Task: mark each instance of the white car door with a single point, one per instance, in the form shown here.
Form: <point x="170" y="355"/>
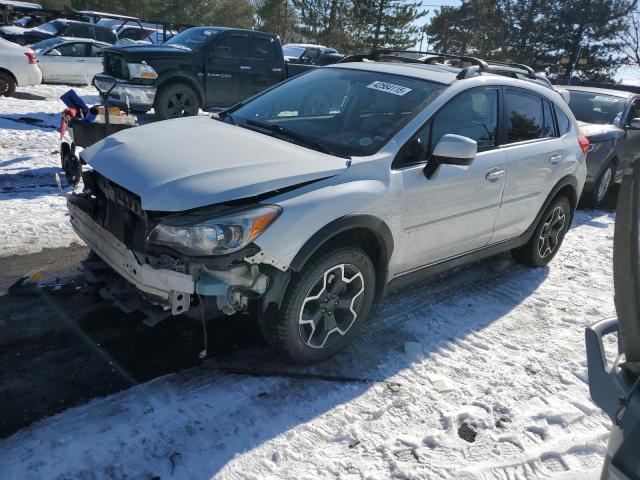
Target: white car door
<point x="65" y="63"/>
<point x="535" y="160"/>
<point x="454" y="211"/>
<point x="93" y="64"/>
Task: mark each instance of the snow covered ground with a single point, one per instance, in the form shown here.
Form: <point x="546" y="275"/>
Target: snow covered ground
<point x="33" y="209"/>
<point x="493" y="387"/>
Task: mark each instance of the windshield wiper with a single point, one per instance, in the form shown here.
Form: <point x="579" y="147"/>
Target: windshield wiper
<point x="225" y="114"/>
<point x="284" y="131"/>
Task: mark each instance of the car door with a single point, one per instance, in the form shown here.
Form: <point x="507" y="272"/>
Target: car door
<point x="454" y="211"/>
<point x="266" y="65"/>
<point x="535" y="159"/>
<point x="92" y="61"/>
<point x="228" y="69"/>
<point x="629" y="145"/>
<point x="64" y="63"/>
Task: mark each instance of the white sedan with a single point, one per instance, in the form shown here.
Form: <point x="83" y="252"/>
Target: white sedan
<point x="69" y="60"/>
<point x="17" y="67"/>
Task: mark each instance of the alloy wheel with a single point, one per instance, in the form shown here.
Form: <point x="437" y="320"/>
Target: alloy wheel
<point x="603" y="186"/>
<point x="179" y="105"/>
<point x="550" y="235"/>
<point x="331" y="306"/>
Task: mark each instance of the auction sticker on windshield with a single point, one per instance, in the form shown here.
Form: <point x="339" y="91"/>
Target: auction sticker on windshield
<point x="389" y="88"/>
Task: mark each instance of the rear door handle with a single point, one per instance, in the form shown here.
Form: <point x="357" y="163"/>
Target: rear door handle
<point x="555" y="158"/>
<point x="494" y="174"/>
<point x="245" y="67"/>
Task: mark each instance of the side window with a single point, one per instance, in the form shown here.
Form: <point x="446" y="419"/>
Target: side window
<point x="105" y="35"/>
<point x="634" y="111"/>
<point x="472" y="114"/>
<point x="233" y="46"/>
<point x="549" y="122"/>
<point x="262" y="48"/>
<point x="79" y="30"/>
<point x="73" y="49"/>
<point x="564" y="124"/>
<point x="96" y="50"/>
<point x="525" y="118"/>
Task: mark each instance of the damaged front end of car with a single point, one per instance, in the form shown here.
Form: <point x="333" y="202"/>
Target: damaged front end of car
<point x="200" y="263"/>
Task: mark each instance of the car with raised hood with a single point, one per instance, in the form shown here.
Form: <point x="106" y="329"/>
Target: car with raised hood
<point x="202" y="67"/>
<point x="306" y="203"/>
<point x="18" y="67"/>
<point x="610" y="119"/>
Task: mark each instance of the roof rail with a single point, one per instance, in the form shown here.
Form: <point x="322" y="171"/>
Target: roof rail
<point x="378" y="53"/>
<point x="499" y="68"/>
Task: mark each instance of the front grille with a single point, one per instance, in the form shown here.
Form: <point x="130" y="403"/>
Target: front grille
<point x="115" y="64"/>
<point x="120" y="196"/>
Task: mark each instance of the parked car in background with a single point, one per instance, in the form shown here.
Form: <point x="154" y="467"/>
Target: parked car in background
<point x="305" y="203"/>
<point x="69" y="60"/>
<point x="610" y="119"/>
<point x="208" y="67"/>
<point x="18" y="67"/>
<point x="310" y="54"/>
<point x="615" y="386"/>
<point x="58" y="28"/>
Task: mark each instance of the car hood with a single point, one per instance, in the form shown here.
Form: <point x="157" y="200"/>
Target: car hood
<point x="594" y="130"/>
<point x="146" y="51"/>
<point x="181" y="164"/>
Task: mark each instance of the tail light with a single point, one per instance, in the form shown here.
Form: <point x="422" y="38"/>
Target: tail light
<point x="584" y="143"/>
<point x="32" y="58"/>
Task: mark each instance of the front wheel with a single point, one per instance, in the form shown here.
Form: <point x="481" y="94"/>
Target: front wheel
<point x="176" y="100"/>
<point x="325" y="306"/>
<point x="596" y="198"/>
<point x="548" y="235"/>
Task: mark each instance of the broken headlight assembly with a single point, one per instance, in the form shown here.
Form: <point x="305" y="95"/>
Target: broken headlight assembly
<point x="216" y="236"/>
<point x="142" y="70"/>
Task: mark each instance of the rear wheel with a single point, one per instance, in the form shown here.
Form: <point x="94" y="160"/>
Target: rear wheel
<point x="176" y="100"/>
<point x="596" y="198"/>
<point x="548" y="235"/>
<point x="325" y="306"/>
<point x="7" y="85"/>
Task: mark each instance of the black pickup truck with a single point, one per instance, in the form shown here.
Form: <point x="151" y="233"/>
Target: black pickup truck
<point x="202" y="67"/>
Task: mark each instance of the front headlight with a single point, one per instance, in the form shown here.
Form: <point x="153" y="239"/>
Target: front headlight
<point x="142" y="70"/>
<point x="216" y="236"/>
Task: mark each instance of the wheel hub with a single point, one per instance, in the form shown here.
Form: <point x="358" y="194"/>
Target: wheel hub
<point x="551" y="230"/>
<point x="331" y="306"/>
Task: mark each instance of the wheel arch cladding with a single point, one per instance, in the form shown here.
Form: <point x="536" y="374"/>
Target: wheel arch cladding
<point x="568" y="187"/>
<point x="365" y="231"/>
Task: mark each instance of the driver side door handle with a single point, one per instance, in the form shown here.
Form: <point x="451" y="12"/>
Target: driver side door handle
<point x="555" y="158"/>
<point x="494" y="174"/>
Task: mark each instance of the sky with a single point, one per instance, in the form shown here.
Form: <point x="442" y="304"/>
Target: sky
<point x="628" y="75"/>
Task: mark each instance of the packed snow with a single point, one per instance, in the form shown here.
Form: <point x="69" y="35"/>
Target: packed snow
<point x="478" y="374"/>
<point x="33" y="207"/>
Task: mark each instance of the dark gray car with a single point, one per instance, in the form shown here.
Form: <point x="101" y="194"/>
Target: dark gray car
<point x="610" y="119"/>
<point x="616" y="388"/>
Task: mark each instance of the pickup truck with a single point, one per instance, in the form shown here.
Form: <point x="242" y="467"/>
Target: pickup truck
<point x="202" y="67"/>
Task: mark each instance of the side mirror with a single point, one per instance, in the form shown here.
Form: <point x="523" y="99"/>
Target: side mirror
<point x="54" y="52"/>
<point x="634" y="124"/>
<point x="451" y="150"/>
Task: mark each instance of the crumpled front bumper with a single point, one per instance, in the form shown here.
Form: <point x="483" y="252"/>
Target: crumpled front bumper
<point x="141" y="97"/>
<point x="162" y="283"/>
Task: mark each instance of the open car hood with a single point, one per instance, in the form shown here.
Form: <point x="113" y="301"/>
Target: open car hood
<point x="181" y="164"/>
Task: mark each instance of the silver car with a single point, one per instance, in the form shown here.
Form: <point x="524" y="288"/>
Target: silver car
<point x="309" y="201"/>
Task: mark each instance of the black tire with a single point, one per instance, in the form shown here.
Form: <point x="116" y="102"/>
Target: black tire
<point x="602" y="187"/>
<point x="176" y="100"/>
<point x="314" y="341"/>
<point x="7" y="85"/>
<point x="626" y="263"/>
<point x="548" y="235"/>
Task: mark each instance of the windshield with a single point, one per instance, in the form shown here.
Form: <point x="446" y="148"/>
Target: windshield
<point x="193" y="39"/>
<point x="292" y="51"/>
<point x="52" y="27"/>
<point x="348" y="112"/>
<point x="44" y="44"/>
<point x="596" y="108"/>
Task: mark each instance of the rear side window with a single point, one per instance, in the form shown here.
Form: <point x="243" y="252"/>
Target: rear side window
<point x="564" y="124"/>
<point x="472" y="114"/>
<point x="81" y="31"/>
<point x="549" y="120"/>
<point x="233" y="46"/>
<point x="262" y="48"/>
<point x="106" y="35"/>
<point x="525" y="118"/>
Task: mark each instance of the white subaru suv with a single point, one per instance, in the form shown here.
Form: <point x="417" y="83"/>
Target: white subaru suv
<point x="304" y="204"/>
